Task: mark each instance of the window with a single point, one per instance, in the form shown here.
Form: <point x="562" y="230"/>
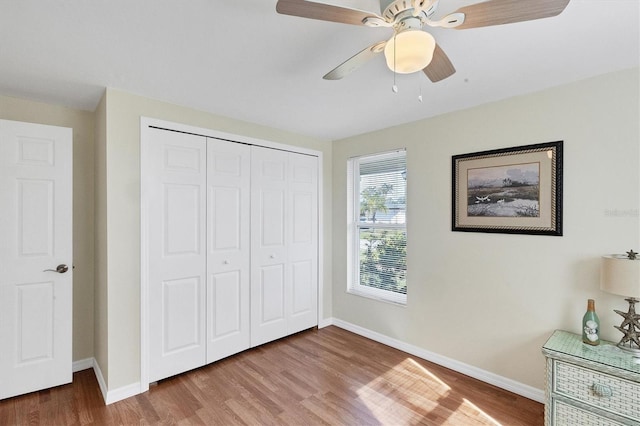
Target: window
<point x="377" y="241"/>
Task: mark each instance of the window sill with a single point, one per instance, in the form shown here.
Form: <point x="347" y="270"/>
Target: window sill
<point x="378" y="298"/>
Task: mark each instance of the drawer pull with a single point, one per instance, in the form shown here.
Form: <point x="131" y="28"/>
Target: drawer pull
<point x="602" y="390"/>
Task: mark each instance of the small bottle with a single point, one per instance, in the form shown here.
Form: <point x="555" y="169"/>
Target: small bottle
<point x="591" y="325"/>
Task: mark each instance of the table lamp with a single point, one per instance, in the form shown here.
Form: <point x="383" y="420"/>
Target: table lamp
<point x="620" y="274"/>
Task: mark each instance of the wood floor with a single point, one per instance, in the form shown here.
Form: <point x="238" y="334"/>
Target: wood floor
<point x="317" y="377"/>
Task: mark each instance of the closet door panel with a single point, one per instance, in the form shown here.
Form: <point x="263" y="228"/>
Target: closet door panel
<point x="228" y="333"/>
<point x="176" y="179"/>
<point x="272" y="289"/>
<point x="303" y="242"/>
<point x="271" y="210"/>
<point x="181" y="219"/>
<point x="180" y="314"/>
<point x="302" y="298"/>
<point x="269" y="268"/>
<point x="228" y="253"/>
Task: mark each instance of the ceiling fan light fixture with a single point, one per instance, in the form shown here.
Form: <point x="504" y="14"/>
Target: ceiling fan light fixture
<point x="413" y="51"/>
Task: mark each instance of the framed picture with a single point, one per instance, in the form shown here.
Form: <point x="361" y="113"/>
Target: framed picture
<point x="512" y="190"/>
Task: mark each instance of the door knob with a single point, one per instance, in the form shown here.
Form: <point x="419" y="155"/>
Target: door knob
<point x="61" y="269"/>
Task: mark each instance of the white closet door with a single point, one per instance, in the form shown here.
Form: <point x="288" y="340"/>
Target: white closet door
<point x="302" y="242"/>
<point x="269" y="270"/>
<point x="284" y="244"/>
<point x="35" y="235"/>
<point x="228" y="253"/>
<point x="176" y="181"/>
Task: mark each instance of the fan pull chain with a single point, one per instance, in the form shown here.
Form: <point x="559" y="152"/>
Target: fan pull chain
<point x="420" y="91"/>
<point x="394" y="88"/>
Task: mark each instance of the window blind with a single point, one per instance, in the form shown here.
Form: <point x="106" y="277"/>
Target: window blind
<point x="380" y="227"/>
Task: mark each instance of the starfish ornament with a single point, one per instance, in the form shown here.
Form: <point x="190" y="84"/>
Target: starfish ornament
<point x="630" y="335"/>
<point x="630" y="325"/>
<point x="632" y="254"/>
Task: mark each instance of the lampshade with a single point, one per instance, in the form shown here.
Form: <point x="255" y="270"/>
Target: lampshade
<point x="620" y="275"/>
<point x="412" y="52"/>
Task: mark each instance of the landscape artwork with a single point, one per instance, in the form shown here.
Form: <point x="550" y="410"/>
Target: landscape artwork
<point x="515" y="190"/>
<point x="504" y="191"/>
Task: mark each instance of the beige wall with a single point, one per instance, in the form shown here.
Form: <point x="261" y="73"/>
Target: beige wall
<point x="491" y="300"/>
<point x="82" y="123"/>
<point x="122" y="243"/>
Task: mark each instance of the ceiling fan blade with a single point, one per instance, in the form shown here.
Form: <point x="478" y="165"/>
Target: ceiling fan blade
<point x="325" y="12"/>
<point x="355" y="61"/>
<point x="440" y="66"/>
<point x="498" y="12"/>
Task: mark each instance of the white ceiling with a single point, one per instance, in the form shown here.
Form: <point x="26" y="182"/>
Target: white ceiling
<point x="240" y="59"/>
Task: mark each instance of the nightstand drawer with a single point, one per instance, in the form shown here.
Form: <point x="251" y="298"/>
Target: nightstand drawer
<point x="610" y="393"/>
<point x="568" y="415"/>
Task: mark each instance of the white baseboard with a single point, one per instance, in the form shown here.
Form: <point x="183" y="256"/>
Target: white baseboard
<point x="466" y="369"/>
<point x="122" y="393"/>
<point x="115" y="395"/>
<point x="82" y="364"/>
<point x="325" y="322"/>
<point x="100" y="378"/>
<point x="101" y="383"/>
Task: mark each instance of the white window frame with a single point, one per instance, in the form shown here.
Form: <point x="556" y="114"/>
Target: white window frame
<point x="353" y="233"/>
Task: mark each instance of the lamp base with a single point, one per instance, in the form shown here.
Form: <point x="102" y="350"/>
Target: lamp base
<point x="630" y="327"/>
<point x="634" y="352"/>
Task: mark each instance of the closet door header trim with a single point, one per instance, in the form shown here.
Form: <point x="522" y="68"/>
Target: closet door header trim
<point x="146" y="122"/>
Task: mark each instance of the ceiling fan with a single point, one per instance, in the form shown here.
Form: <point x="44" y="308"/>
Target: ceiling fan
<point x="412" y="49"/>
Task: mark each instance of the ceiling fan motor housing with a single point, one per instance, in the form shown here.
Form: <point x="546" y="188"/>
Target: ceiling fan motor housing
<point x="392" y="9"/>
<point x="406" y="23"/>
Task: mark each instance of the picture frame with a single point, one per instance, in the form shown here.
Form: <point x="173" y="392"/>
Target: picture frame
<point x="515" y="190"/>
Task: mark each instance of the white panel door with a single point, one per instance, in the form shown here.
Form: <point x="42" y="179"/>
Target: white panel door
<point x="228" y="248"/>
<point x="176" y="184"/>
<point x="302" y="242"/>
<point x="284" y="244"/>
<point x="35" y="235"/>
<point x="269" y="280"/>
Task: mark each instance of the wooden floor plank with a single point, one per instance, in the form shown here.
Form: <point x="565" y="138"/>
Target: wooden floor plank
<point x="317" y="377"/>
